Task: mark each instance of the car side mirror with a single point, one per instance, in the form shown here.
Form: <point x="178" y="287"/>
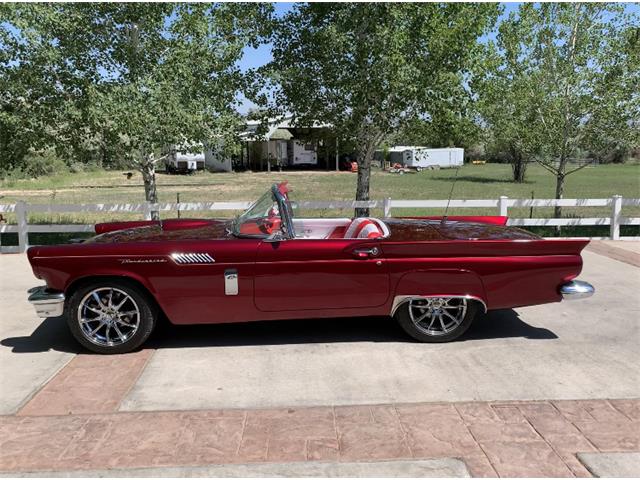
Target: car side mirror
<point x="275" y="237"/>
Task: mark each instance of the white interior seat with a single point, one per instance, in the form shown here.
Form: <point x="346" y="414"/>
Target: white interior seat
<point x="318" y="227"/>
<point x="367" y="227"/>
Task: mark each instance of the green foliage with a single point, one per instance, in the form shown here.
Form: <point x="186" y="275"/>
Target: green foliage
<point x="41" y="164"/>
<point x="370" y="69"/>
<point x="114" y="84"/>
<point x="457" y="127"/>
<point x="36" y="164"/>
<point x="562" y="81"/>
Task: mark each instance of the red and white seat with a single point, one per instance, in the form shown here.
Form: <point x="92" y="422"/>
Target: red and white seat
<point x="366" y="227"/>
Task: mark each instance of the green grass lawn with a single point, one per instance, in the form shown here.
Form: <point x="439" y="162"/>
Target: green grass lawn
<point x="473" y="182"/>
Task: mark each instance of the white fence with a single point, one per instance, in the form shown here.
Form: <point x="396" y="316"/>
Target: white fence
<point x="502" y="205"/>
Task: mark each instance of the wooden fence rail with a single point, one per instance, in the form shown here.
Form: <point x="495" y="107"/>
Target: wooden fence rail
<point x="501" y="204"/>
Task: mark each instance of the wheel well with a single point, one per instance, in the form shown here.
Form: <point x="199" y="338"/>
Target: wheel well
<point x="84" y="281"/>
<point x="402" y="299"/>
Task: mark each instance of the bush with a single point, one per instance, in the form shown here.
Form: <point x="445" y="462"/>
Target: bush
<point x="40" y="164"/>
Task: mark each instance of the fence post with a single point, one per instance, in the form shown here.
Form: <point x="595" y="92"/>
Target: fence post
<point x="616" y="209"/>
<point x="387" y="207"/>
<point x="23" y="234"/>
<point x="147" y="210"/>
<point x="502" y="206"/>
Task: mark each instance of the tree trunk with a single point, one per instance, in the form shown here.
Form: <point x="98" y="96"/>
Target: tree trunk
<point x="102" y="157"/>
<point x="560" y="177"/>
<point x="518" y="165"/>
<point x="364" y="178"/>
<point x="148" y="170"/>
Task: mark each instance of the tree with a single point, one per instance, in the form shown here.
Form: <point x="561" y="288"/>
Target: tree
<point x="565" y="80"/>
<point x="508" y="113"/>
<point x="448" y="128"/>
<point x="507" y="106"/>
<point x="45" y="69"/>
<point x="370" y="68"/>
<point x="175" y="78"/>
<point x="146" y="76"/>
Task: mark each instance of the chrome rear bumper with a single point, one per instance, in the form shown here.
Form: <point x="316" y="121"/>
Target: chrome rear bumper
<point x="46" y="302"/>
<point x="576" y="289"/>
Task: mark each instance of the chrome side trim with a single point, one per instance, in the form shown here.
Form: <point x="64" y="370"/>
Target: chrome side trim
<point x="576" y="290"/>
<point x="400" y="299"/>
<point x="231" y="282"/>
<point x="190" y="258"/>
<point x="46" y="302"/>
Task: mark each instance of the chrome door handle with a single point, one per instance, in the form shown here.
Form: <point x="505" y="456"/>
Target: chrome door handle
<point x="366" y="252"/>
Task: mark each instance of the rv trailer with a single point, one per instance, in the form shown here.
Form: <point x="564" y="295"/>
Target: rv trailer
<point x="422" y="158"/>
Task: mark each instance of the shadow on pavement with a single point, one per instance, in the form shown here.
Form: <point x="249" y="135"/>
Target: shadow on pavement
<point x="53" y="334"/>
<point x="505" y="324"/>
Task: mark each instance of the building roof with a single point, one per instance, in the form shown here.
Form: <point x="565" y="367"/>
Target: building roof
<point x="276" y="126"/>
<point x="281" y="134"/>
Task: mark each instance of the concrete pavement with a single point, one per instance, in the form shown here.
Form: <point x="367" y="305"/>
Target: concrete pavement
<point x="551" y="353"/>
<point x="31" y="351"/>
<point x="567" y="350"/>
<point x="436" y="468"/>
<point x="582" y="349"/>
<point x="623" y="251"/>
<point x="612" y="465"/>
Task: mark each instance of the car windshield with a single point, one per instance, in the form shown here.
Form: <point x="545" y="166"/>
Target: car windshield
<point x="261" y="219"/>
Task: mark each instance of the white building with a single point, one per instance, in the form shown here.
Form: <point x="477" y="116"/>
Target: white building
<point x="281" y="144"/>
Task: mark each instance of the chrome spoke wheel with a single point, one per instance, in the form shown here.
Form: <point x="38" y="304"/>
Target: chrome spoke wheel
<point x="108" y="316"/>
<point x="437" y="315"/>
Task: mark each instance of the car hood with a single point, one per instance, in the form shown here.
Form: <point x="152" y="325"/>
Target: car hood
<point x="405" y="229"/>
<point x="169" y="230"/>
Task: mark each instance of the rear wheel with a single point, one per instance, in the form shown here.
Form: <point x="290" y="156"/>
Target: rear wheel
<point x="110" y="316"/>
<point x="436" y="319"/>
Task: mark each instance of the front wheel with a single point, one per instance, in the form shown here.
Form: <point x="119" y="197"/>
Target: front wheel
<point x="110" y="316"/>
<point x="436" y="319"/>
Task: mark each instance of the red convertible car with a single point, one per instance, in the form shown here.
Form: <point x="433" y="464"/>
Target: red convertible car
<point x="432" y="274"/>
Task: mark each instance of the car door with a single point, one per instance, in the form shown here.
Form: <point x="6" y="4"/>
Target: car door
<point x="310" y="274"/>
<point x="208" y="281"/>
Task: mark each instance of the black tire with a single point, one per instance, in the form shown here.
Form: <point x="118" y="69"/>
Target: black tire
<point x="146" y="310"/>
<point x="403" y="317"/>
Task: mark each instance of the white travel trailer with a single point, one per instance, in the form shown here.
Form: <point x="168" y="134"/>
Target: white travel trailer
<point x="422" y="158"/>
<point x="179" y="160"/>
<point x="300" y="153"/>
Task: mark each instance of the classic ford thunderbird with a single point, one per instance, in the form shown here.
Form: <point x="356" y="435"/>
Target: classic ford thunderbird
<point x="432" y="274"/>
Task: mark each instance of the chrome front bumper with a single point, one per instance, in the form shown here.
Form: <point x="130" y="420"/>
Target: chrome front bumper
<point x="46" y="302"/>
<point x="576" y="289"/>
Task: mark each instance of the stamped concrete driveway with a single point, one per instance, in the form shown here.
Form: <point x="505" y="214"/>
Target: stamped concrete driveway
<point x="585" y="349"/>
